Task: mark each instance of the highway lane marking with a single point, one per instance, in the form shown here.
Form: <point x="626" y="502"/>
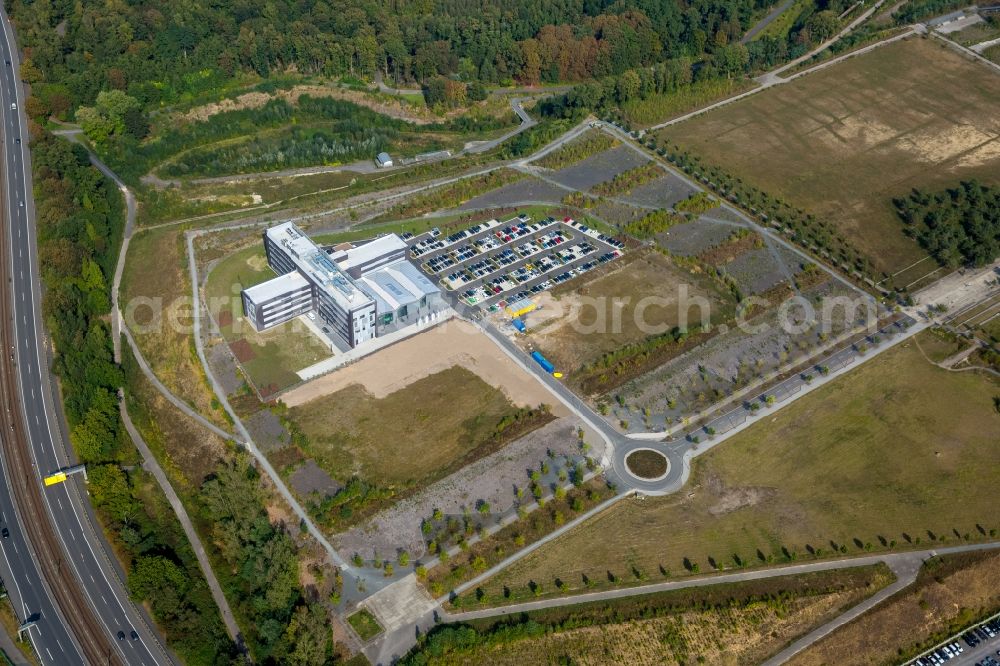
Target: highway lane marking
<point x="50" y="653"/>
<point x="21" y="179"/>
<point x="59" y="502"/>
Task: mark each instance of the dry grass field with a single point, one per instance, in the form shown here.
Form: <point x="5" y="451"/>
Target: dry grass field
<point x="949" y="594"/>
<point x="741" y="623"/>
<point x="600" y="315"/>
<point x="155" y="273"/>
<point x="415" y="434"/>
<point x="841" y="143"/>
<point x="896" y="453"/>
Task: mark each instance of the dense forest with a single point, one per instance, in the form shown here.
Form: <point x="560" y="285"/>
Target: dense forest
<point x="80" y="221"/>
<point x="160" y="52"/>
<point x="958" y="226"/>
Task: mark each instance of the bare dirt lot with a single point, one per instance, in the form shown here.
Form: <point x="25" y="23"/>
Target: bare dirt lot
<point x="384" y="104"/>
<point x="606" y="313"/>
<point x="664" y="191"/>
<point x="841" y="143"/>
<point x="453" y="343"/>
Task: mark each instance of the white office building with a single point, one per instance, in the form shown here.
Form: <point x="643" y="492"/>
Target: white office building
<point x="355" y="290"/>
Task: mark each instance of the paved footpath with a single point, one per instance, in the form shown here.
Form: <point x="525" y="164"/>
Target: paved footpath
<point x="152" y="466"/>
<point x="150" y="463"/>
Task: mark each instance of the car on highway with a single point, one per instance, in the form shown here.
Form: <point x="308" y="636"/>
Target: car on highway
<point x="135" y="635"/>
<point x="121" y="635"/>
<point x="13" y="105"/>
<point x="5" y="533"/>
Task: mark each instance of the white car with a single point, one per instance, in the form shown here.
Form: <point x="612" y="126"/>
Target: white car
<point x="13" y="105"/>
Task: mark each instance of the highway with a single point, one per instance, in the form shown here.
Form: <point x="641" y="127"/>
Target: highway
<point x="55" y="561"/>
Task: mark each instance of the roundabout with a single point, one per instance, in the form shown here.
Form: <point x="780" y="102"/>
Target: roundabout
<point x="648" y="467"/>
<point x="647" y="464"/>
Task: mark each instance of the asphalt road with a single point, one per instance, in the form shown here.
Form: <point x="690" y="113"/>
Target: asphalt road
<point x="85" y="549"/>
<point x="766" y="21"/>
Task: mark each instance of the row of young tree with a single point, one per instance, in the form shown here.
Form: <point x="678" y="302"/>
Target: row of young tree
<point x="160" y="53"/>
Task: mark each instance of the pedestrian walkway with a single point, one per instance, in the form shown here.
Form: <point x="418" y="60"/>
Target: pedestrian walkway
<point x="150" y="464"/>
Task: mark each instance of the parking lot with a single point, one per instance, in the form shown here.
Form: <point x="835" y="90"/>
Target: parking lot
<point x="511" y="260"/>
<point x="977" y="646"/>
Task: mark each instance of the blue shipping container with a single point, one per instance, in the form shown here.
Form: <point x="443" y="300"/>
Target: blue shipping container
<point x="542" y="361"/>
<point x="518" y="324"/>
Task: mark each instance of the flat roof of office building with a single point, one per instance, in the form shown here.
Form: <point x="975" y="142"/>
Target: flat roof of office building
<point x="277" y="286"/>
<point x="317" y="265"/>
<point x="371" y="251"/>
<point x="397" y="284"/>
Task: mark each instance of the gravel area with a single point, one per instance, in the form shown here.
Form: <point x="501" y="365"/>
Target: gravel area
<point x="494" y="479"/>
<point x="663" y="192"/>
<point x="731" y="360"/>
<point x="527" y="190"/>
<point x="691" y="238"/>
<point x="757" y="271"/>
<point x="266" y="429"/>
<point x="310" y="478"/>
<point x="598" y="168"/>
<point x="224" y="368"/>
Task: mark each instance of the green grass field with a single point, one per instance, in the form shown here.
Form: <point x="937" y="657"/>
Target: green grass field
<point x="586" y="145"/>
<point x="992" y="54"/>
<point x="897" y="453"/>
<point x="664" y="106"/>
<point x="155" y="291"/>
<point x="275" y="354"/>
<point x="841" y="143"/>
<point x="365" y="624"/>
